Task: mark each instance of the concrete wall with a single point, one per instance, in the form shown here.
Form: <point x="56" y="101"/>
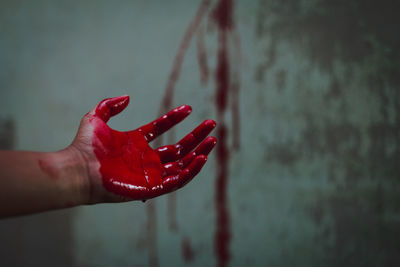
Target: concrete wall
<point x="316" y="179"/>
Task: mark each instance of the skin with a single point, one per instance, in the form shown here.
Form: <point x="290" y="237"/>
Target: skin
<point x="103" y="165"/>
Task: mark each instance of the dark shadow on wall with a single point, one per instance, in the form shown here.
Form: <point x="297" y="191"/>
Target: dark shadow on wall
<point x="362" y="157"/>
<point x="329" y="30"/>
<point x="37" y="240"/>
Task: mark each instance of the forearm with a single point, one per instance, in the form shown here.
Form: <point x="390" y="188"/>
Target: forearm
<point x="36" y="181"/>
<point x="103" y="164"/>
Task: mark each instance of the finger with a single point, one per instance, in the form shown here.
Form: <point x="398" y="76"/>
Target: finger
<point x="174" y="182"/>
<point x="190" y="141"/>
<point x="160" y="125"/>
<point x="171" y="153"/>
<point x="111" y="106"/>
<point x="203" y="149"/>
<point x="168" y="153"/>
<point x="206" y="146"/>
<point x="171" y="168"/>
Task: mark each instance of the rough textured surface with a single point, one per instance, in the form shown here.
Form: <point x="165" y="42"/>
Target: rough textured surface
<point x="347" y="101"/>
<point x="316" y="180"/>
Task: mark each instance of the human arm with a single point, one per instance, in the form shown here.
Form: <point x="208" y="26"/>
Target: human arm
<point x="103" y="165"/>
<point x="38" y="181"/>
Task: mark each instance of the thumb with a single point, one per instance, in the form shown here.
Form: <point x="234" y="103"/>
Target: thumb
<point x="110" y="107"/>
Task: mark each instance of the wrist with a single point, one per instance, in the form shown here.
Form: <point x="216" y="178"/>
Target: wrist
<point x="72" y="176"/>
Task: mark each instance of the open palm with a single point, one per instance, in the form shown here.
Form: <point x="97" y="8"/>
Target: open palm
<point x="126" y="166"/>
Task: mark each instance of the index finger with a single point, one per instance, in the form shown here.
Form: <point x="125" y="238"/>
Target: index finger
<point x="157" y="127"/>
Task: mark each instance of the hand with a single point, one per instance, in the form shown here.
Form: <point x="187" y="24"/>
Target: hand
<point x="121" y="166"/>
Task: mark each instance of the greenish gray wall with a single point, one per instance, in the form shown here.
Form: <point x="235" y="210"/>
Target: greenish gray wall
<point x="316" y="182"/>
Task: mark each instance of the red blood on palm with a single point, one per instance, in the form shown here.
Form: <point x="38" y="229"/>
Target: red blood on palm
<point x="131" y="168"/>
<point x="128" y="165"/>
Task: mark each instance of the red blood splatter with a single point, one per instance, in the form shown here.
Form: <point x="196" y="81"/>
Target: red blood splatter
<point x="166" y="104"/>
<point x="183" y="47"/>
<point x="187" y="250"/>
<point x="135" y="164"/>
<point x="222" y="235"/>
<point x="226" y="85"/>
<point x="167" y="100"/>
<point x="129" y="167"/>
<point x="222" y="14"/>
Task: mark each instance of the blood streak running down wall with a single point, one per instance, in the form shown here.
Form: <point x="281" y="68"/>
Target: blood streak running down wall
<point x="227" y="84"/>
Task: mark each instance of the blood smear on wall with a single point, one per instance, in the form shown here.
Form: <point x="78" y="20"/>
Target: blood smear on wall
<point x="227" y="83"/>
